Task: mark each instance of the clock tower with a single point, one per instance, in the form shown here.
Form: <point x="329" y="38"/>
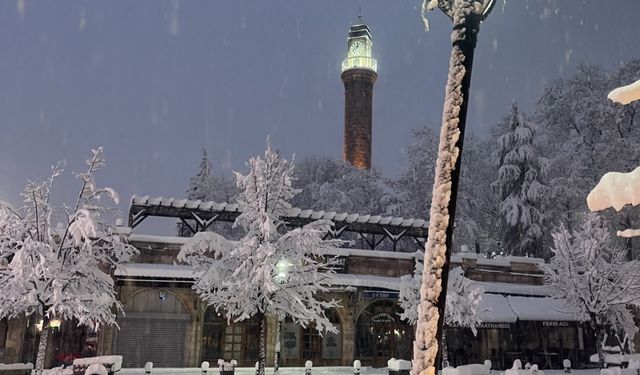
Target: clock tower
<point x="359" y="73"/>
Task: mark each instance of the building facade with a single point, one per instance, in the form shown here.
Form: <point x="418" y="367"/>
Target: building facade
<point x="165" y="322"/>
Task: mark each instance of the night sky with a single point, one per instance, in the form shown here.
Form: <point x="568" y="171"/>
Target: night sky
<point x="156" y="81"/>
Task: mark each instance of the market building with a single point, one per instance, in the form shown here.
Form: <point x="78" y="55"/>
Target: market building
<point x="165" y="322"/>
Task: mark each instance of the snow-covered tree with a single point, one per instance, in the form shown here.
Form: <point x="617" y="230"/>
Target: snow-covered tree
<point x="332" y="185"/>
<point x="617" y="189"/>
<point x="463" y="299"/>
<point x="584" y="135"/>
<point x="207" y="186"/>
<point x="590" y="273"/>
<point x="62" y="271"/>
<point x="462" y="306"/>
<point x="412" y="189"/>
<point x="477" y="216"/>
<point x="520" y="187"/>
<point x="268" y="271"/>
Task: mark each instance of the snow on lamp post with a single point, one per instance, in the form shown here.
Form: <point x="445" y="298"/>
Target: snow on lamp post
<point x="466" y="16"/>
<point x="282" y="274"/>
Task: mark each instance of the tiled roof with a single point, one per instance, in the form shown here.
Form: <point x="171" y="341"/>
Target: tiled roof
<point x="142" y="207"/>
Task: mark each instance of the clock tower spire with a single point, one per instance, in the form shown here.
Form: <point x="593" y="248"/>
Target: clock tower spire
<point x="359" y="73"/>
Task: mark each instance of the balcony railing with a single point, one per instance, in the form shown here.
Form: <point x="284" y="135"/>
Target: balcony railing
<point x="360" y="62"/>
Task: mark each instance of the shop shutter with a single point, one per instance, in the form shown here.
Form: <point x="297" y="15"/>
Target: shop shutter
<point x="152" y="337"/>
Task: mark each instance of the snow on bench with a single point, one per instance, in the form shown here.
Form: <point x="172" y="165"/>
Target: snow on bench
<point x="470" y="369"/>
<point x="398" y="366"/>
<point x="112" y="363"/>
<point x="16" y="367"/>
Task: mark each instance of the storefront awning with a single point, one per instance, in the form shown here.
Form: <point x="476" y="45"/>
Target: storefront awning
<point x="494" y="308"/>
<point x="542" y="309"/>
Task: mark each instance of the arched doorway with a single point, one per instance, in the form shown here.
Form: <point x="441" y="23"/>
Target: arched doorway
<point x="381" y="335"/>
<point x="237" y="341"/>
<point x="153" y="330"/>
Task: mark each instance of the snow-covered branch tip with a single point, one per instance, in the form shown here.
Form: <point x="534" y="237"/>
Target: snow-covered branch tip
<point x="625" y="94"/>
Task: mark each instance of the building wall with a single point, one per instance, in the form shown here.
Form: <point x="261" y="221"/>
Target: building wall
<point x="13" y="341"/>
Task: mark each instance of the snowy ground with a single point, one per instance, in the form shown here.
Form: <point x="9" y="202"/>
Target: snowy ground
<point x="315" y="371"/>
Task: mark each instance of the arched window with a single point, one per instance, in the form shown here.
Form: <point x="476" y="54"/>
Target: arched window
<point x="381" y="335"/>
<point x="237" y="341"/>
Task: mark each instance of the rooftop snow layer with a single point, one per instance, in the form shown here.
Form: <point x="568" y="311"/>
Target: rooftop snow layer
<point x="528" y="308"/>
<point x="494" y="308"/>
<point x="513" y="289"/>
<point x="153" y="270"/>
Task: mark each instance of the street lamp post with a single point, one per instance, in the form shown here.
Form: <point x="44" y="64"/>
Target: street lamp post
<point x="281" y="277"/>
<point x="466" y="16"/>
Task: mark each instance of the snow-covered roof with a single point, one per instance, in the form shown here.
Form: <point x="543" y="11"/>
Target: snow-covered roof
<point x="513" y="289"/>
<point x="138" y="239"/>
<point x="494" y="308"/>
<point x="367" y="281"/>
<point x="505" y="261"/>
<point x="546" y="308"/>
<point x="142" y="207"/>
<point x="154" y="270"/>
<point x="173" y="240"/>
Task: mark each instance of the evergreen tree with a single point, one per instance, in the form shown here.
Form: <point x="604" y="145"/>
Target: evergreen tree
<point x="412" y="189"/>
<point x="520" y="187"/>
<point x="206" y="186"/>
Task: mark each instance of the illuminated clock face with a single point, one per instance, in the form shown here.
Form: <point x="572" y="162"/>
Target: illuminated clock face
<point x="356" y="47"/>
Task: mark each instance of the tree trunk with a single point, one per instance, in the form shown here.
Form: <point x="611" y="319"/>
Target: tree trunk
<point x="444" y="352"/>
<point x="262" y="347"/>
<point x="42" y="346"/>
<point x="599" y="343"/>
<point x="276" y="362"/>
<point x="466" y="22"/>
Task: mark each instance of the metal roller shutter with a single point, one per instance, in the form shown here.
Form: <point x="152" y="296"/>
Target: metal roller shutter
<point x="149" y="337"/>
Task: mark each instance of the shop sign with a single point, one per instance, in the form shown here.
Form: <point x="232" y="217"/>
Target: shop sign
<point x="374" y="294"/>
<point x="555" y="324"/>
<point x="495" y="325"/>
<point x="483" y="325"/>
<point x="382" y="317"/>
